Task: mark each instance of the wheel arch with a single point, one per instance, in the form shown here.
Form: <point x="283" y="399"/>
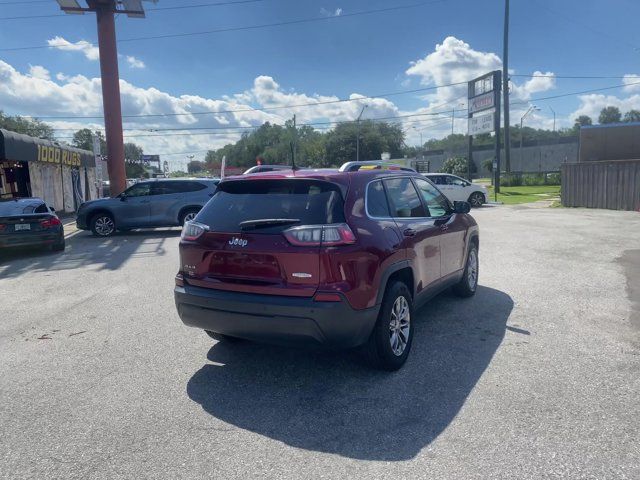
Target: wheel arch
<point x="398" y="271"/>
<point x="186" y="209"/>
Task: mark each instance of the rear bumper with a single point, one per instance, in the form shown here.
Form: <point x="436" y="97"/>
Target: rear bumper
<point x="274" y="319"/>
<point x="23" y="239"/>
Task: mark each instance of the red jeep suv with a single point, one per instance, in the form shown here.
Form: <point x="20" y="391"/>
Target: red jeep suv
<point x="324" y="257"/>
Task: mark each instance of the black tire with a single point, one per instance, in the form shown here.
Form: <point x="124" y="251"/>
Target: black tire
<point x="378" y="350"/>
<point x="102" y="225"/>
<point x="468" y="285"/>
<point x="222" y="338"/>
<point x="188" y="214"/>
<point x="59" y="246"/>
<point x="476" y="199"/>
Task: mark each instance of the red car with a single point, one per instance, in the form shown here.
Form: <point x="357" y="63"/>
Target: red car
<point x="324" y="257"/>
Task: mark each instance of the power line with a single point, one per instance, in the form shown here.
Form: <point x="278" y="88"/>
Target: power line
<point x="249" y="27"/>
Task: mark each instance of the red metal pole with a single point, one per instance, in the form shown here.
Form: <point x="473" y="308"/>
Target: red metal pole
<point x="111" y="96"/>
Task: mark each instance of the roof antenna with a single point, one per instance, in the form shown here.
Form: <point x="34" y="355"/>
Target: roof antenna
<point x="294" y="146"/>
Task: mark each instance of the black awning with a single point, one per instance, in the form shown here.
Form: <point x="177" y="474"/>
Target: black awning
<point x="23" y="148"/>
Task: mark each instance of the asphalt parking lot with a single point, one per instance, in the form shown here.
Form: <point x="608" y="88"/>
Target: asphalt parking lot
<point x="537" y="376"/>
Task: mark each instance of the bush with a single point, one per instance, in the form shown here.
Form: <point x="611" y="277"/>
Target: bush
<point x="457" y="166"/>
<point x="530" y="179"/>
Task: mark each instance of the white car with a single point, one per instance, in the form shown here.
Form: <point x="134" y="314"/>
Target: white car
<point x="458" y="189"/>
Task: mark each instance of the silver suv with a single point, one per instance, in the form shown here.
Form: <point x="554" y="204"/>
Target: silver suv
<point x="147" y="204"/>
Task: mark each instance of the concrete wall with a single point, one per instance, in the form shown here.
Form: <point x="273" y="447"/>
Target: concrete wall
<point x="610" y="142"/>
<point x="532" y="158"/>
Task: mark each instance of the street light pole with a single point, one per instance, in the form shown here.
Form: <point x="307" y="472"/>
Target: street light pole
<point x="358" y="133"/>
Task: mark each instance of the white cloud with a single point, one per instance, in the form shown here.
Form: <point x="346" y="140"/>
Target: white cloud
<point x="540" y="82"/>
<point x="40" y="93"/>
<point x="336" y="13"/>
<point x="135" y="62"/>
<point x="87" y="48"/>
<point x="455" y="61"/>
<point x="592" y="104"/>
<point x="632" y="82"/>
<point x="38" y="71"/>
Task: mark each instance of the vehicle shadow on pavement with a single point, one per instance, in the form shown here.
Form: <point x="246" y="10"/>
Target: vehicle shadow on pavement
<point x="84" y="250"/>
<point x="332" y="402"/>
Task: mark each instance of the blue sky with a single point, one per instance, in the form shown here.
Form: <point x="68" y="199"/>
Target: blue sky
<point x="335" y="58"/>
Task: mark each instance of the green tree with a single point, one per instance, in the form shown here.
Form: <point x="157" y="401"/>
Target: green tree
<point x="26" y="126"/>
<point x="582" y="121"/>
<point x="195" y="166"/>
<point x="632" y="116"/>
<point x="610" y="115"/>
<point x="84" y="139"/>
<point x="133" y="165"/>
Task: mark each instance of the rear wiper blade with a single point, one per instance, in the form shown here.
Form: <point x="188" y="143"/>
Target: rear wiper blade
<point x="266" y="222"/>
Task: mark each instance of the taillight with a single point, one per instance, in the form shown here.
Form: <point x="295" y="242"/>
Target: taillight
<point x="2" y="226"/>
<point x="193" y="230"/>
<point x="51" y="222"/>
<point x="325" y="235"/>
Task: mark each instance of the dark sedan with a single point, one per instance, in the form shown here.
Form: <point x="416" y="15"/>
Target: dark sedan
<point x="30" y="222"/>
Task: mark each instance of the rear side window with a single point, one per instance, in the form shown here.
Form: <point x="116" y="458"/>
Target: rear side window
<point x="310" y="202"/>
<point x="403" y="198"/>
<point x="192" y="186"/>
<point x="11" y="207"/>
<point x="377" y="205"/>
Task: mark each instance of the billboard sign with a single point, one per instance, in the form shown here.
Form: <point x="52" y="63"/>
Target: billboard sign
<point x="147" y="159"/>
<point x="482" y="123"/>
<point x="481" y="102"/>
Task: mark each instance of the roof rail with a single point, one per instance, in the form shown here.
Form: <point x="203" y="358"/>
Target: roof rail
<point x="372" y="165"/>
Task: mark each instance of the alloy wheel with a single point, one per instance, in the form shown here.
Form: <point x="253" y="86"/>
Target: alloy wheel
<point x="104" y="226"/>
<point x="399" y="326"/>
<point x="189" y="217"/>
<point x="477" y="200"/>
<point x="472" y="269"/>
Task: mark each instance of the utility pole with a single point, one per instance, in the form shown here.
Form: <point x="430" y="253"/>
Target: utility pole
<point x="505" y="89"/>
<point x="453" y="111"/>
<point x="358" y="134"/>
<point x="554" y="119"/>
<point x="295" y="143"/>
<point x="105" y="11"/>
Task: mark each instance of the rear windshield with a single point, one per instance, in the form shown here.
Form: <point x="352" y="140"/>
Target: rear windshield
<point x="310" y="202"/>
<point x="21" y="208"/>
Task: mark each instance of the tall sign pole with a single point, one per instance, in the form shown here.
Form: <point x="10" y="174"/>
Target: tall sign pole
<point x="105" y="11"/>
<point x="111" y="96"/>
<point x="484" y="116"/>
<point x="505" y="88"/>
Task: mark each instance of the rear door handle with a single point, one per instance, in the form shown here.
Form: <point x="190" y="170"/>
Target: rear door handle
<point x="409" y="232"/>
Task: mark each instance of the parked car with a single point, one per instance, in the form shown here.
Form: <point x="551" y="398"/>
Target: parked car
<point x="458" y="189"/>
<point x="152" y="203"/>
<point x="319" y="257"/>
<point x="266" y="168"/>
<point x="30" y="222"/>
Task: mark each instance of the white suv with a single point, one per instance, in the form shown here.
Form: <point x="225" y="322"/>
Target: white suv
<point x="458" y="189"/>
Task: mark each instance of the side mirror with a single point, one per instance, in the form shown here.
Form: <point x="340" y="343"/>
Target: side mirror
<point x="461" y="207"/>
<point x="122" y="197"/>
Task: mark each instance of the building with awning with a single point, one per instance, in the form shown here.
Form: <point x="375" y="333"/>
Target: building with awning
<point x="61" y="175"/>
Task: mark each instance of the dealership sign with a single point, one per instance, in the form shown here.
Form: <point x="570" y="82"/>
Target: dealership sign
<point x="481" y="102"/>
<point x="482" y="123"/>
